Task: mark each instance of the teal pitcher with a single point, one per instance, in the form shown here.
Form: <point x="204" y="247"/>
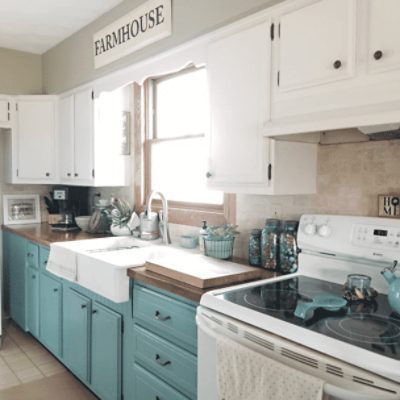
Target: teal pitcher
<point x="394" y="287"/>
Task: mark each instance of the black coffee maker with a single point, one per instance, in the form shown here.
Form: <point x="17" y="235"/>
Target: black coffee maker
<point x="72" y="202"/>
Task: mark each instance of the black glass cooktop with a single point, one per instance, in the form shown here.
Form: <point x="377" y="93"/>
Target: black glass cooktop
<point x="372" y="326"/>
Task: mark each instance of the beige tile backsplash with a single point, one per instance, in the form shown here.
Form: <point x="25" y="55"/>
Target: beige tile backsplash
<point x="350" y="178"/>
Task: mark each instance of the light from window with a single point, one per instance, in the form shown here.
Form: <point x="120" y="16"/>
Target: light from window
<point x="178" y="147"/>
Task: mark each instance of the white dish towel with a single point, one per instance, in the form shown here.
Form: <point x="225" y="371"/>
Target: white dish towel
<point x="62" y="261"/>
<point x="244" y="374"/>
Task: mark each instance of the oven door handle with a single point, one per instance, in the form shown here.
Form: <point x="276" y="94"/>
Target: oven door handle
<point x="341" y="393"/>
<point x="329" y="389"/>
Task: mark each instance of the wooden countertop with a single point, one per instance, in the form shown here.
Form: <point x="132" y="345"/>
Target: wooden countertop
<point x="179" y="288"/>
<point x="42" y="233"/>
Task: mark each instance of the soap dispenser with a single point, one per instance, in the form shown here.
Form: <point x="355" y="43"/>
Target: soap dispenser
<point x="202" y="235"/>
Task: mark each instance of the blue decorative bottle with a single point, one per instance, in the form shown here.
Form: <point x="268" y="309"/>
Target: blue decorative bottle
<point x="255" y="248"/>
<point x="288" y="247"/>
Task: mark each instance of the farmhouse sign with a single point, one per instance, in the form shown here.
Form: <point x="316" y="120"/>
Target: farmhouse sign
<point x="144" y="25"/>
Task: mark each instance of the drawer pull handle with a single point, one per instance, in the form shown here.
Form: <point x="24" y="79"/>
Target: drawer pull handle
<point x="44" y="262"/>
<point x="160" y="362"/>
<point x="94" y="312"/>
<point x="158" y="316"/>
<point x="55" y="290"/>
<point x="83" y="305"/>
<point x="157" y="398"/>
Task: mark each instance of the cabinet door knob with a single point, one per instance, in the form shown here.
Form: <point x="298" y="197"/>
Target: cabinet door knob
<point x="378" y="55"/>
<point x="55" y="290"/>
<point x="69" y="174"/>
<point x="33" y="276"/>
<point x="83" y="305"/>
<point x="208" y="175"/>
<point x="47" y="173"/>
<point x="159" y="317"/>
<point x="337" y="64"/>
<point x="94" y="312"/>
<point x="75" y="174"/>
<point x="160" y="362"/>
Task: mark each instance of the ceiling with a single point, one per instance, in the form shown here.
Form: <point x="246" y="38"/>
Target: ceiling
<point x="36" y="26"/>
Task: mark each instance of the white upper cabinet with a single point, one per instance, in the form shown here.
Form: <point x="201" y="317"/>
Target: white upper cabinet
<point x="76" y="138"/>
<point x="336" y="64"/>
<point x="90" y="135"/>
<point x="237" y="69"/>
<point x="317" y="44"/>
<point x="35" y="139"/>
<point x="83" y="137"/>
<point x="5" y="112"/>
<point x="66" y="137"/>
<point x="383" y="34"/>
<point x="241" y="159"/>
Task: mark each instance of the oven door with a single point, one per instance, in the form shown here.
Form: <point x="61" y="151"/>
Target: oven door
<point x="342" y="381"/>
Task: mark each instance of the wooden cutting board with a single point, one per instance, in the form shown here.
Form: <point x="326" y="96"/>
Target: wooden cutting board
<point x="202" y="271"/>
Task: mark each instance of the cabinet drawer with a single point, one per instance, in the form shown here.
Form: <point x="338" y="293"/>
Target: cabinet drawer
<point x="170" y="318"/>
<point x="32" y="255"/>
<point x="169" y="362"/>
<point x="148" y="387"/>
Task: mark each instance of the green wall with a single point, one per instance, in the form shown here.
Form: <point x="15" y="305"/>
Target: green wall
<point x="70" y="63"/>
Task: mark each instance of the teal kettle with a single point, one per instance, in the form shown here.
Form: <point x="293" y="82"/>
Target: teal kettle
<point x="394" y="287"/>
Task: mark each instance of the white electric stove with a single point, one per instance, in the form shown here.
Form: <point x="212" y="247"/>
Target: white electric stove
<point x="354" y="348"/>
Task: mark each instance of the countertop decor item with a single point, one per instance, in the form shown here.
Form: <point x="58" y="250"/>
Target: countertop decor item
<point x="21" y="209"/>
<point x="394" y="287"/>
<point x="220" y="240"/>
<point x="288" y="251"/>
<point x="255" y="248"/>
<point x="189" y="241"/>
<point x="83" y="222"/>
<point x="389" y="205"/>
<point x="120" y="213"/>
<point x="270" y="244"/>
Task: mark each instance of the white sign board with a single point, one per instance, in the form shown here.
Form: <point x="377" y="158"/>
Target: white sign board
<point x="144" y="25"/>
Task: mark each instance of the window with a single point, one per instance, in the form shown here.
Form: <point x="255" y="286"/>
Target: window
<point x="175" y="147"/>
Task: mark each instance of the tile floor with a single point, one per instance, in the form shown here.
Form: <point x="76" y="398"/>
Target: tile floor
<point x="29" y="372"/>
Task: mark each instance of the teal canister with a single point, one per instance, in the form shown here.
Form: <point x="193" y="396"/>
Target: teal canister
<point x="255" y="248"/>
<point x="270" y="244"/>
<point x="288" y="251"/>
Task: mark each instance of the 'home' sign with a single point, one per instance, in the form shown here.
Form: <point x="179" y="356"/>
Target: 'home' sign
<point x="144" y="25"/>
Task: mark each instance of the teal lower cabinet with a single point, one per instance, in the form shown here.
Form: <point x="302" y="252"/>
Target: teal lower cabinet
<point x="165" y="345"/>
<point x="92" y="341"/>
<point x="148" y="387"/>
<point x="76" y="330"/>
<point x="32" y="300"/>
<point x="50" y="313"/>
<point x="106" y="352"/>
<point x="15" y="272"/>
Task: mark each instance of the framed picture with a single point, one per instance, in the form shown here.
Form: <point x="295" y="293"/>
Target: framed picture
<point x="21" y="209"/>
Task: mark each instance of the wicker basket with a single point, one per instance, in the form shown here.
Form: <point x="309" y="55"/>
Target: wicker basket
<point x="219" y="248"/>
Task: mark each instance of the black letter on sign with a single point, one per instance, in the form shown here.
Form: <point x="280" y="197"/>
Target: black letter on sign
<point x="97" y="47"/>
<point x="160" y="18"/>
<point x="143" y="25"/>
<point x="133" y="27"/>
<point x="151" y="19"/>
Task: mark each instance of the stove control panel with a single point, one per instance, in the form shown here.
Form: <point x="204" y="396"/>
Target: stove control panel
<point x="376" y="236"/>
<point x="375" y="239"/>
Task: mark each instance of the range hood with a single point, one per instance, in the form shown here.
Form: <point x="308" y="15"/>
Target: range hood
<point x="381" y="132"/>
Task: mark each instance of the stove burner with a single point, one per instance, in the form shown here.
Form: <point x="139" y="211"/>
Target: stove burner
<point x="365" y="328"/>
<point x="274" y="299"/>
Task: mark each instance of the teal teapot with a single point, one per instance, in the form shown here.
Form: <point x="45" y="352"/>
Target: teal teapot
<point x="394" y="287"/>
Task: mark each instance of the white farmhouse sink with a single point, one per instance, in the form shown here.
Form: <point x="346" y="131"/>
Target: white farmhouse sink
<point x="101" y="264"/>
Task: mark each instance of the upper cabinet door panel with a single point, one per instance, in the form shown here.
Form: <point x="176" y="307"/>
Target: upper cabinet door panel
<point x="66" y="139"/>
<point x="317" y="44"/>
<point x="36" y="138"/>
<point x="83" y="111"/>
<point x="238" y="69"/>
<point x="4" y="112"/>
<point x="384" y="34"/>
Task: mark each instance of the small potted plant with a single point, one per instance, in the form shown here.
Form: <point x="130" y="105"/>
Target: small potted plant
<point x="218" y="242"/>
<point x="119" y="213"/>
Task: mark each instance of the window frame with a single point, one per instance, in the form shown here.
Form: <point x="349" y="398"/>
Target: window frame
<point x="145" y="135"/>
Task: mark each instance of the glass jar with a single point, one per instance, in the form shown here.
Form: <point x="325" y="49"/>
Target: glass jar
<point x="270" y="244"/>
<point x="255" y="248"/>
<point x="288" y="247"/>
